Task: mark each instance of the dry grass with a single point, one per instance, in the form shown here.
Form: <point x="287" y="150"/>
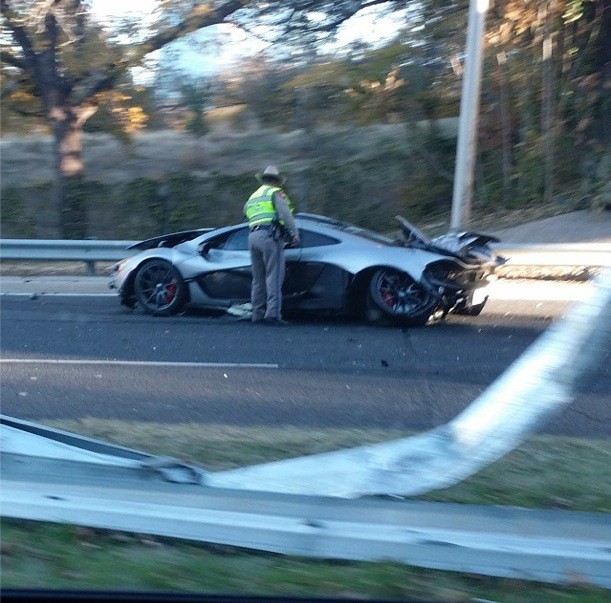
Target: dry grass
<point x="28" y="160"/>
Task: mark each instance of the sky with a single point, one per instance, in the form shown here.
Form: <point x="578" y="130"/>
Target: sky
<point x="230" y="44"/>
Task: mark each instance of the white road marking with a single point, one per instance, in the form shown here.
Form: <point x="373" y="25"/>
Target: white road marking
<point x="138" y="363"/>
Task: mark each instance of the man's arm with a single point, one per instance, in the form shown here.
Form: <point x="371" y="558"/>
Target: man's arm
<point x="284" y="214"/>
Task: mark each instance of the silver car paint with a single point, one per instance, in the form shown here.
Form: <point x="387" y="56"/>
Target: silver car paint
<point x="354" y="254"/>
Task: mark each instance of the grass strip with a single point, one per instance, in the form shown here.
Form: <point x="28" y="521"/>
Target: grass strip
<point x="545" y="472"/>
<point x="549" y="472"/>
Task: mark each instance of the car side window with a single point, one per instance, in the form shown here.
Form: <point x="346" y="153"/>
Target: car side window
<point x="310" y="238"/>
<point x="237" y="240"/>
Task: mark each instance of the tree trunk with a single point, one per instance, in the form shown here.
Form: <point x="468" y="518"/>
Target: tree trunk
<point x="69" y="189"/>
<point x="506" y="134"/>
<point x="547" y="108"/>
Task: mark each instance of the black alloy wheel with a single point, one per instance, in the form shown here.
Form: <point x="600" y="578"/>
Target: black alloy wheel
<point x="401" y="298"/>
<point x="159" y="288"/>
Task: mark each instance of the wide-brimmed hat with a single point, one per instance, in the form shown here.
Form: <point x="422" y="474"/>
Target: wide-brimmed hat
<point x="271" y="171"/>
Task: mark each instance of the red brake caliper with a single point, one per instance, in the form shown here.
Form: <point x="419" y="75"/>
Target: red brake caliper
<point x="387" y="298"/>
<point x="171" y="292"/>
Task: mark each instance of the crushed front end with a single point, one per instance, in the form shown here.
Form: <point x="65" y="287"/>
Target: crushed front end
<point x="460" y="286"/>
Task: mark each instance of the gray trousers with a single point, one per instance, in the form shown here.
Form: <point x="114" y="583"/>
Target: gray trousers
<point x="267" y="258"/>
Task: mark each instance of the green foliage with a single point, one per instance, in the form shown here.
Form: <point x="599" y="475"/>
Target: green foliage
<point x="227" y="197"/>
<point x="424" y="197"/>
<point x="540" y="117"/>
<point x="196" y="98"/>
<point x="16" y="219"/>
<point x="573" y="11"/>
<point x="146" y="207"/>
<point x="371" y="191"/>
<point x="69" y="557"/>
<point x="74" y="208"/>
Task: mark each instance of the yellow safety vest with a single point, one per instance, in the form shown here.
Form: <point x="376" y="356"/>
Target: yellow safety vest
<point x="260" y="206"/>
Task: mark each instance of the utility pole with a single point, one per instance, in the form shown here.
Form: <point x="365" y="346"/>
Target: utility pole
<point x="469" y="113"/>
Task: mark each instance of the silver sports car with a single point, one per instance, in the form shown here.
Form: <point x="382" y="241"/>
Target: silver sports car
<point x="338" y="268"/>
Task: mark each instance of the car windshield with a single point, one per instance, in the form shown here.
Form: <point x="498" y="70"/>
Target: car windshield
<point x="358" y="231"/>
<point x="370" y="235"/>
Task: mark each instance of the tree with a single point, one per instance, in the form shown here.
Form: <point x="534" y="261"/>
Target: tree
<point x="545" y="95"/>
<point x="65" y="66"/>
<point x="551" y="80"/>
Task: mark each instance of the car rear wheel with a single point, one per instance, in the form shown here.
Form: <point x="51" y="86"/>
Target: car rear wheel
<point x="400" y="298"/>
<point x="159" y="288"/>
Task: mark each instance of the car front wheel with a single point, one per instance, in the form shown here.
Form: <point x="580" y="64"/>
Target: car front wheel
<point x="400" y="298"/>
<point x="159" y="288"/>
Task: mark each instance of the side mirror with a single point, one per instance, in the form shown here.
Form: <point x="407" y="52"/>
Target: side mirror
<point x="204" y="249"/>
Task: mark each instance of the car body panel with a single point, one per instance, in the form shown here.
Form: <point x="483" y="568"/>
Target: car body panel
<point x="321" y="274"/>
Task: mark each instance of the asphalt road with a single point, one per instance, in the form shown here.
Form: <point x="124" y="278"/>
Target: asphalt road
<point x="75" y="357"/>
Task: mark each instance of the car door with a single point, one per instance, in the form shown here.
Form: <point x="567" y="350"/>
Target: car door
<point x="311" y="282"/>
<point x="227" y="275"/>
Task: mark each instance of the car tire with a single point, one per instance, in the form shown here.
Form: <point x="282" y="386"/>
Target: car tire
<point x="159" y="288"/>
<point x="397" y="298"/>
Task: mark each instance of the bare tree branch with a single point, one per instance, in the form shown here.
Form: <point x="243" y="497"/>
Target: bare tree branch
<point x="96" y="82"/>
<point x="62" y="10"/>
<point x="84" y="113"/>
<point x="20" y="34"/>
<point x="10" y="59"/>
<point x="40" y="12"/>
<point x="201" y="16"/>
<point x="9" y="87"/>
<point x="25" y="112"/>
<point x="345" y="11"/>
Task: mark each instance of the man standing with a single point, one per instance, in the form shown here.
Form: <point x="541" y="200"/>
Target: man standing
<point x="269" y="213"/>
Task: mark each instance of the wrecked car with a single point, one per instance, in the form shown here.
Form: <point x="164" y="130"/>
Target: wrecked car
<point x="338" y="269"/>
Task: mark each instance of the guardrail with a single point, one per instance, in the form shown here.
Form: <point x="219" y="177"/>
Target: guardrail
<point x="557" y="254"/>
<point x="92" y="251"/>
<point x="52" y="250"/>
